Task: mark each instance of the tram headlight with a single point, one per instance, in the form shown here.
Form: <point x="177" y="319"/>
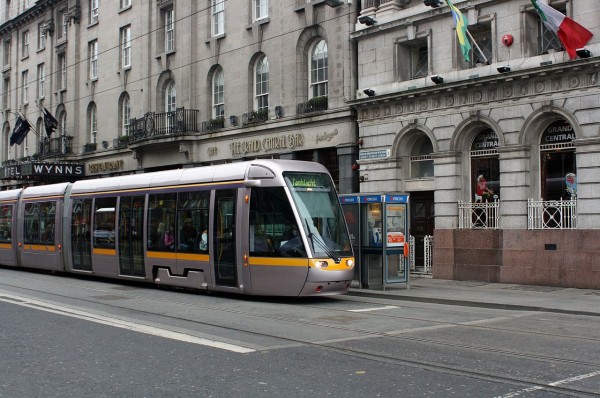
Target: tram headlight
<point x="350" y="263"/>
<point x="322" y="264"/>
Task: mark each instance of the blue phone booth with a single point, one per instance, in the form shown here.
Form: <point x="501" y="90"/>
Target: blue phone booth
<point x="378" y="225"/>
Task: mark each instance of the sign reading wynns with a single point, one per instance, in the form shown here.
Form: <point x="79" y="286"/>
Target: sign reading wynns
<point x="42" y="169"/>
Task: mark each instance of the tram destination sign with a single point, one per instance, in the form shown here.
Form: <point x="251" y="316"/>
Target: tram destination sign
<point x="38" y="170"/>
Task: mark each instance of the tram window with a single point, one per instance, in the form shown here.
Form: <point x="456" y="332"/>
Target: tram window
<point x="104" y="222"/>
<point x="32" y="223"/>
<point x="6" y="223"/>
<point x="273" y="230"/>
<point x="47" y="222"/>
<point x="192" y="219"/>
<point x="161" y="221"/>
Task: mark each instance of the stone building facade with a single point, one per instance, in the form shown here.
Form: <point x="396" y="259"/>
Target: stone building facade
<point x="523" y="116"/>
<point x="139" y="86"/>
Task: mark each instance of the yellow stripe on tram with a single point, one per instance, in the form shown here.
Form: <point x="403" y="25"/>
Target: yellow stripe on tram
<point x="279" y="261"/>
<point x="39" y="248"/>
<point x="105" y="252"/>
<point x="5" y="246"/>
<point x="178" y="256"/>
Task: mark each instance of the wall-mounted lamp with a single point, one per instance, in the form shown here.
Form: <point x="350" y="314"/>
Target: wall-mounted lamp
<point x="583" y="53"/>
<point x="233" y="120"/>
<point x="503" y="69"/>
<point x="369" y="92"/>
<point x="437" y="79"/>
<point x="366" y="20"/>
<point x="333" y="3"/>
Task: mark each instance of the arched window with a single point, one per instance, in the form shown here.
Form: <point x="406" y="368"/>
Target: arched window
<point x="261" y="84"/>
<point x="558" y="164"/>
<point x="485" y="166"/>
<point x="218" y="98"/>
<point x="421" y="163"/>
<point x="92" y="119"/>
<point x="318" y="70"/>
<point x="62" y="120"/>
<point x="125" y="115"/>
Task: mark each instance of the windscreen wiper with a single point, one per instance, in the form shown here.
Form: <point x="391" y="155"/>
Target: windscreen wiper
<point x="314" y="238"/>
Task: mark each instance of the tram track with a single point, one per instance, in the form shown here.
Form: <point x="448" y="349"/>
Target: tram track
<point x="381" y="357"/>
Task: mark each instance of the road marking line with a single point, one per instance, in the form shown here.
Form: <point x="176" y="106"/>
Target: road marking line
<point x="553" y="384"/>
<point x="387" y="307"/>
<point x="118" y="323"/>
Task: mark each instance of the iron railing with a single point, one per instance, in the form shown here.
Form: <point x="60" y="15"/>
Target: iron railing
<point x="479" y="215"/>
<point x="254" y="117"/>
<point x="552" y="214"/>
<point x="163" y="124"/>
<point x="53" y="147"/>
<point x="428" y="254"/>
<point x="213" y="124"/>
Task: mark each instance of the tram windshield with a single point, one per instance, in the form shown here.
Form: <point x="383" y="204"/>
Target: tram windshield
<point x="320" y="213"/>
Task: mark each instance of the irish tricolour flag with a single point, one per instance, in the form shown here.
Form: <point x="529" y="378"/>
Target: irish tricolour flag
<point x="571" y="34"/>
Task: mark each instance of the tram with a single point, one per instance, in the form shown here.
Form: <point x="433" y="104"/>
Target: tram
<point x="262" y="227"/>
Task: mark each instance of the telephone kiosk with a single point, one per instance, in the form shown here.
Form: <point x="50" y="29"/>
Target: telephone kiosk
<point x="378" y="226"/>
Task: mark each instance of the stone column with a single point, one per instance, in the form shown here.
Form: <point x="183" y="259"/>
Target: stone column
<point x="588" y="183"/>
<point x="515" y="186"/>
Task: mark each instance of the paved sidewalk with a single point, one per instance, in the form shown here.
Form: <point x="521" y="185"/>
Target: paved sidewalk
<point x="491" y="295"/>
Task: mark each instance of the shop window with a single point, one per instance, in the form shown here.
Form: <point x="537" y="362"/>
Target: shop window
<point x="485" y="167"/>
<point x="558" y="162"/>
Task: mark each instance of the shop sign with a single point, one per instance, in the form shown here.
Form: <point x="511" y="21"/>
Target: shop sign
<point x="370" y="199"/>
<point x="286" y="141"/>
<point x="106" y="166"/>
<point x="42" y="169"/>
<point x="487" y="139"/>
<point x="557" y="132"/>
<point x="396" y="198"/>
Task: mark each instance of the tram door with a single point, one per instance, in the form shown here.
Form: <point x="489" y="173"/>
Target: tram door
<point x="81" y="239"/>
<point x="131" y="249"/>
<point x="223" y="237"/>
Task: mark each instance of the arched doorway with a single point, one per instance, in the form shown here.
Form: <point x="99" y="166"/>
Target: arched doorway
<point x="558" y="167"/>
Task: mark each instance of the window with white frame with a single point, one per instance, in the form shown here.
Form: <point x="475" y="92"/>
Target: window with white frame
<point x="170" y="97"/>
<point x="61" y="62"/>
<point x="126" y="115"/>
<point x="261" y="84"/>
<point x="25" y="52"/>
<point x="218" y="17"/>
<point x="62" y="121"/>
<point x="218" y="93"/>
<point x="62" y="22"/>
<point x="93" y="57"/>
<point x="125" y="3"/>
<point x="25" y="82"/>
<point x="41" y="36"/>
<point x="93" y="11"/>
<point x="6" y="94"/>
<point x="169" y="20"/>
<point x="6" y="52"/>
<point x="93" y="122"/>
<point x="318" y="69"/>
<point x="126" y="47"/>
<point x="261" y="9"/>
<point x="41" y="78"/>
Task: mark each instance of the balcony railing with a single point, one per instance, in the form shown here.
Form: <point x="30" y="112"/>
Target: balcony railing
<point x="552" y="214"/>
<point x="164" y="124"/>
<point x="54" y="147"/>
<point x="484" y="215"/>
<point x="316" y="104"/>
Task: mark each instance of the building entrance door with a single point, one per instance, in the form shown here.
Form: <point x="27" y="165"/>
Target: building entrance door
<point x="422" y="223"/>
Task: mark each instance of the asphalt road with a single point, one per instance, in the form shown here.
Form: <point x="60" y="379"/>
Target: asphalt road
<point x="63" y="336"/>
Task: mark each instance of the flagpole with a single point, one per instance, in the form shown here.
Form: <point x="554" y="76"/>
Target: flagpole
<point x="487" y="62"/>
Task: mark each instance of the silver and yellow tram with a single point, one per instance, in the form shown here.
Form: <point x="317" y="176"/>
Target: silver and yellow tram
<point x="263" y="227"/>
